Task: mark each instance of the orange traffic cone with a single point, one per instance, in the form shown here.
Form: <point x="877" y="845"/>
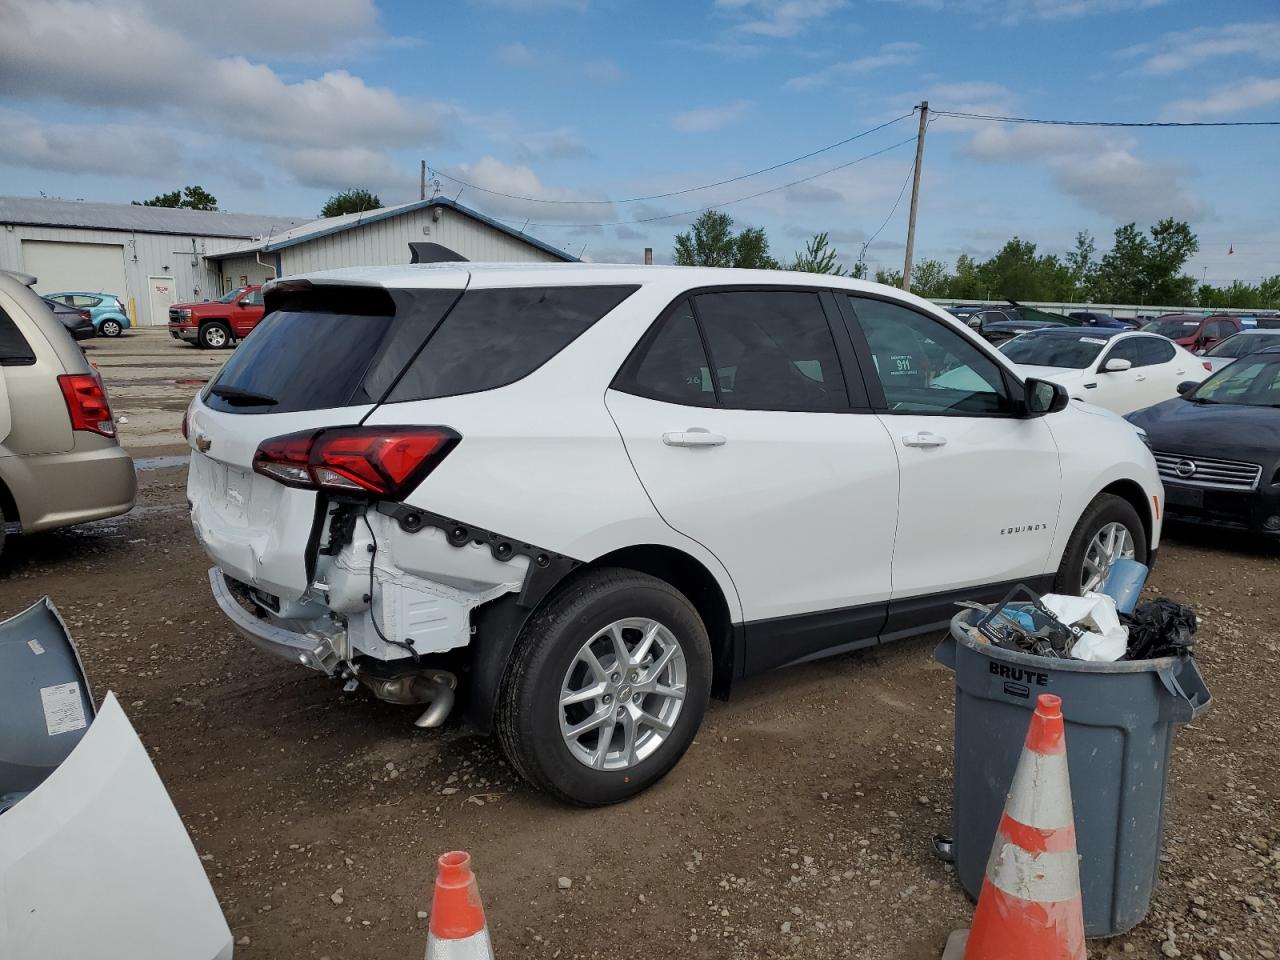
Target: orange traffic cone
<point x="458" y="930"/>
<point x="1030" y="900"/>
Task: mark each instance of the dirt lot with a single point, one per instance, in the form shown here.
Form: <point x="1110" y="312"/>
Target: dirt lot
<point x="797" y="826"/>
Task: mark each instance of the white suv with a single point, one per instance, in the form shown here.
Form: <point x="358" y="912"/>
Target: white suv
<point x="586" y="497"/>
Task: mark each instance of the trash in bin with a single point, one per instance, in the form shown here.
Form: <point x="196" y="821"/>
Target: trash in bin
<point x="1102" y="635"/>
<point x="1124" y="583"/>
<point x="1160" y="628"/>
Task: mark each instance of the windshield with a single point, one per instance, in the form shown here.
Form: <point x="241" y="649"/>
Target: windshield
<point x="1173" y="327"/>
<point x="1242" y="345"/>
<point x="231" y="297"/>
<point x="1253" y="382"/>
<point x="1053" y="350"/>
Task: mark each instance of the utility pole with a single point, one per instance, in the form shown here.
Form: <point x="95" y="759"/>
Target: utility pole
<point x="648" y="256"/>
<point x="915" y="195"/>
<point x="422" y="182"/>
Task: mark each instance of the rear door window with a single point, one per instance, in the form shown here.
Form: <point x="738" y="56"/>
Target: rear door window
<point x="672" y="365"/>
<point x="495" y="337"/>
<point x="772" y="350"/>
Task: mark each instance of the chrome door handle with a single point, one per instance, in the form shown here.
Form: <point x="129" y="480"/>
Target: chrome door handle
<point x="923" y="439"/>
<point x="1141" y="376"/>
<point x="693" y="437"/>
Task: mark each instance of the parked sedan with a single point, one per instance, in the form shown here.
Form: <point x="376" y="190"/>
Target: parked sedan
<point x="1241" y="345"/>
<point x="108" y="312"/>
<point x="1117" y="369"/>
<point x="1218" y="446"/>
<point x="77" y="322"/>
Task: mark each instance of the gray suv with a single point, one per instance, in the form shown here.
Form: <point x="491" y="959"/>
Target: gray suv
<point x="60" y="461"/>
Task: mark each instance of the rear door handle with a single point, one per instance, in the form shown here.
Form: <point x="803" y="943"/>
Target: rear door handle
<point x="1141" y="376"/>
<point x="693" y="437"/>
<point x="923" y="439"/>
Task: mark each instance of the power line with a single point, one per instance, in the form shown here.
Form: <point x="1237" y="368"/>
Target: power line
<point x="677" y="193"/>
<point x="725" y="203"/>
<point x="1105" y="123"/>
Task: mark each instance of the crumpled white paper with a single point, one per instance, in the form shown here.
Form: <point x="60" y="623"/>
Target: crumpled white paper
<point x="1105" y="637"/>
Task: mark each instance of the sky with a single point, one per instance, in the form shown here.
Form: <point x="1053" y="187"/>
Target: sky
<point x="275" y="106"/>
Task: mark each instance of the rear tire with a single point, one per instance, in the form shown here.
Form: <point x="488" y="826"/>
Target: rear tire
<point x="567" y="650"/>
<point x="1087" y="559"/>
<point x="110" y="328"/>
<point x="215" y="335"/>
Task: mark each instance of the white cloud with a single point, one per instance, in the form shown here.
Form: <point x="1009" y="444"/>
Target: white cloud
<point x="516" y="55"/>
<point x="1225" y="100"/>
<point x="898" y="53"/>
<point x="603" y="71"/>
<point x="705" y="119"/>
<point x="341" y="168"/>
<point x="135" y="151"/>
<point x="281" y="28"/>
<point x="624" y="232"/>
<point x="779" y="18"/>
<point x="1175" y="52"/>
<point x="1119" y="185"/>
<point x="521" y="181"/>
<point x="175" y="78"/>
<point x="537" y="6"/>
<point x="1012" y="12"/>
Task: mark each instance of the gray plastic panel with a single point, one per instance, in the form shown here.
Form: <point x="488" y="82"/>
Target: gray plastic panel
<point x="45" y="701"/>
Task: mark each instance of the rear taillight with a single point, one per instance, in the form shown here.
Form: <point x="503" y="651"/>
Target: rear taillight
<point x="87" y="403"/>
<point x="386" y="462"/>
<point x="1207" y="365"/>
<point x="84" y="315"/>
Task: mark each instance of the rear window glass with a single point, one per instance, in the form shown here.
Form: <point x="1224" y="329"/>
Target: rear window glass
<point x="496" y="337"/>
<point x="14" y="349"/>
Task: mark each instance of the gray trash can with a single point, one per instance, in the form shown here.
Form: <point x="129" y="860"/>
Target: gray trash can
<point x="1120" y="719"/>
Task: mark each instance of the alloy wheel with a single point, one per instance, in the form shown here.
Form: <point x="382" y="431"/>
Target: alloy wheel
<point x="622" y="694"/>
<point x="1111" y="543"/>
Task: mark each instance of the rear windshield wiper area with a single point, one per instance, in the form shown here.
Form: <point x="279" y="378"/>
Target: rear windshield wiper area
<point x="246" y="398"/>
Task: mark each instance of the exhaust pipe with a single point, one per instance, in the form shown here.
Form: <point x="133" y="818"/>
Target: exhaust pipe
<point x="438" y="694"/>
<point x="435" y="688"/>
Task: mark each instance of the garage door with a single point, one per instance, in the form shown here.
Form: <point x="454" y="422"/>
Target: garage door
<point x="92" y="267"/>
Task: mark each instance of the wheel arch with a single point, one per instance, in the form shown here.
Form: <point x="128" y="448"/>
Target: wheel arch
<point x="1131" y="492"/>
<point x="9" y="504"/>
<point x="497" y="625"/>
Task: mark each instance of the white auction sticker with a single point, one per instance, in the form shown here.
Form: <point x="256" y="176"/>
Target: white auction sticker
<point x="63" y="708"/>
<point x="1093" y="340"/>
<point x="36" y="646"/>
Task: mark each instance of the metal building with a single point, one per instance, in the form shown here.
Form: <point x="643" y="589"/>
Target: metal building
<point x="381" y="238"/>
<point x="149" y="256"/>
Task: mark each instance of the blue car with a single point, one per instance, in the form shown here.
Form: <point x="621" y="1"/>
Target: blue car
<point x="106" y="310"/>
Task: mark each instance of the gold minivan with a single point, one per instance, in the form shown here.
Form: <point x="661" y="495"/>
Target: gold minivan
<point x="60" y="461"/>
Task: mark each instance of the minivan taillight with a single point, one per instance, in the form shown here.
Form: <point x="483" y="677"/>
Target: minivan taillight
<point x="87" y="403"/>
<point x="386" y="462"/>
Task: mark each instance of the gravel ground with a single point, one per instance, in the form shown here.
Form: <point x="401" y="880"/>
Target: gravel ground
<point x="798" y="824"/>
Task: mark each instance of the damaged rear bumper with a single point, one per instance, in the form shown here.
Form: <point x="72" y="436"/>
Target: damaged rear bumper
<point x="318" y="653"/>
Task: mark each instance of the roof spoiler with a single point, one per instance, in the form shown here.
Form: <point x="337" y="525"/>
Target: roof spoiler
<point x="26" y="279"/>
<point x="425" y="252"/>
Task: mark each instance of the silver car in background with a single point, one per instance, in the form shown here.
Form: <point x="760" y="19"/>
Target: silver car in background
<point x="1240" y="345"/>
<point x="60" y="461"/>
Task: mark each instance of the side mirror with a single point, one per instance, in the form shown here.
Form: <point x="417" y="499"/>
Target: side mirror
<point x="1116" y="365"/>
<point x="1045" y="396"/>
<point x="1186" y="386"/>
<point x="975" y="323"/>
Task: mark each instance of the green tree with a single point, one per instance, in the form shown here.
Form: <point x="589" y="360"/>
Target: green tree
<point x="859" y="271"/>
<point x="712" y="243"/>
<point x="890" y="278"/>
<point x="356" y="200"/>
<point x="930" y="278"/>
<point x="194" y="197"/>
<point x="818" y="257"/>
<point x="1081" y="263"/>
<point x="1139" y="269"/>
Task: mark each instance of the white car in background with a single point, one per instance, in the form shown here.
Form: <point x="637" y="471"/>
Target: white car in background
<point x="1240" y="345"/>
<point x="589" y="496"/>
<point x="1120" y="370"/>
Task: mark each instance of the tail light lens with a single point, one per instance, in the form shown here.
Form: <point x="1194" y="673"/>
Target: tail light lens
<point x="1207" y="365"/>
<point x="87" y="403"/>
<point x="386" y="462"/>
<point x="85" y="315"/>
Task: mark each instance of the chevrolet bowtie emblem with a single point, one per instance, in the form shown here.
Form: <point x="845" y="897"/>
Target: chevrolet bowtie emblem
<point x="203" y="443"/>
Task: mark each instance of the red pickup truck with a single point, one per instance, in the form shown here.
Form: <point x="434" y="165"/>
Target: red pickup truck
<point x="215" y="324"/>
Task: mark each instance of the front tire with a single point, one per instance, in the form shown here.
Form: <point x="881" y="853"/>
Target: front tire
<point x="110" y="328"/>
<point x="214" y="336"/>
<point x="606" y="688"/>
<point x="1108" y="530"/>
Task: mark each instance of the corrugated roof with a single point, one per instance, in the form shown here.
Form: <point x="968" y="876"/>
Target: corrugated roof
<point x="348" y="221"/>
<point x="38" y="211"/>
